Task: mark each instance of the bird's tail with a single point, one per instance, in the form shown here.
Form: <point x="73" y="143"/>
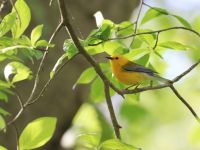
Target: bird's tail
<point x="161" y="79"/>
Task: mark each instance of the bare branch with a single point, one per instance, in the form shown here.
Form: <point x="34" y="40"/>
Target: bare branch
<point x="185" y="103"/>
<point x="23" y="106"/>
<point x="170" y="85"/>
<point x="186" y="72"/>
<point x="64" y="17"/>
<point x="149" y="32"/>
<point x="136" y="22"/>
<point x="42" y="63"/>
<point x="111" y="110"/>
<point x="50" y="79"/>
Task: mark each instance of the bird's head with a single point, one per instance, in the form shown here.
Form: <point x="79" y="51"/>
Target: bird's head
<point x="118" y="59"/>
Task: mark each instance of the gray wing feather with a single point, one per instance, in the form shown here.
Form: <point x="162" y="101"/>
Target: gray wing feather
<point x="132" y="67"/>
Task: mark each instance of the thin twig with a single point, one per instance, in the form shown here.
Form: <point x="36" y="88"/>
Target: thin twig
<point x="170" y="85"/>
<point x="35" y="82"/>
<point x="136" y="22"/>
<point x="186" y="72"/>
<point x="111" y="111"/>
<point x="185" y="103"/>
<point x="50" y="79"/>
<point x="16" y="135"/>
<point x="149" y="32"/>
<point x="13" y="5"/>
<point x="42" y="63"/>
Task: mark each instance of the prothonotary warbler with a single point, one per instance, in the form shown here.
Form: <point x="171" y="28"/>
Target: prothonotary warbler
<point x="131" y="73"/>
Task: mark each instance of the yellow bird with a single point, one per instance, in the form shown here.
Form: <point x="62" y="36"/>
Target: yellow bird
<point x="131" y="73"/>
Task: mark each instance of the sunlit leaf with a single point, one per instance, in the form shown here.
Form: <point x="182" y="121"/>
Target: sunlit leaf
<point x="114" y="144"/>
<point x="196" y="23"/>
<point x="87" y="76"/>
<point x="43" y="43"/>
<point x="83" y="117"/>
<point x="38" y="133"/>
<point x="153" y="13"/>
<point x="182" y="21"/>
<point x="19" y="70"/>
<point x="22" y="20"/>
<point x="115" y="47"/>
<point x="58" y="63"/>
<point x="97" y="91"/>
<point x="4" y="50"/>
<point x="125" y="28"/>
<point x="4" y="112"/>
<point x="2" y="148"/>
<point x="3" y="96"/>
<point x="36" y="34"/>
<point x="70" y="48"/>
<point x="173" y="45"/>
<point x="88" y="140"/>
<point x="149" y="39"/>
<point x="7" y="23"/>
<point x="2" y="124"/>
<point x="132" y="112"/>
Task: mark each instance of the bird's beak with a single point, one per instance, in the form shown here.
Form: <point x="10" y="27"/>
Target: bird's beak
<point x="109" y="57"/>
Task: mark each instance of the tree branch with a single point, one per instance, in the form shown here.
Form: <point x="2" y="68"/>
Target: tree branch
<point x="49" y="81"/>
<point x="148" y="32"/>
<point x="42" y="63"/>
<point x="66" y="22"/>
<point x="23" y="106"/>
<point x="111" y="110"/>
<point x="136" y="22"/>
<point x="170" y="85"/>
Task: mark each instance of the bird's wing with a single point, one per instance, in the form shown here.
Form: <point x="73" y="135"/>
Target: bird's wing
<point x="133" y="67"/>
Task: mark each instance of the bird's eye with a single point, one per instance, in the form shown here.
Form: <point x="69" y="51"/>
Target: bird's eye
<point x="116" y="57"/>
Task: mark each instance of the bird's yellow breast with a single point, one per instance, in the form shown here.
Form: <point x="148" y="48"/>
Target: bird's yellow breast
<point x="126" y="77"/>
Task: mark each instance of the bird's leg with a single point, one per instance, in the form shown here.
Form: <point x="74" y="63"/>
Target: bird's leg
<point x="136" y="86"/>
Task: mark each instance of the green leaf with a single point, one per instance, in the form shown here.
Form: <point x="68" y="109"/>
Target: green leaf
<point x="92" y="50"/>
<point x="97" y="91"/>
<point x="153" y="13"/>
<point x="70" y="48"/>
<point x="87" y="76"/>
<point x="132" y="112"/>
<point x="196" y="24"/>
<point x="4" y="112"/>
<point x="7" y="23"/>
<point x="38" y="133"/>
<point x="173" y="45"/>
<point x="4" y="50"/>
<point x="101" y="34"/>
<point x="3" y="96"/>
<point x="88" y="140"/>
<point x="19" y="70"/>
<point x="22" y="20"/>
<point x="104" y="31"/>
<point x="36" y="34"/>
<point x="2" y="148"/>
<point x="58" y="63"/>
<point x="183" y="21"/>
<point x="135" y="54"/>
<point x="43" y="43"/>
<point x="125" y="28"/>
<point x="149" y="39"/>
<point x="115" y="47"/>
<point x="2" y="124"/>
<point x="114" y="144"/>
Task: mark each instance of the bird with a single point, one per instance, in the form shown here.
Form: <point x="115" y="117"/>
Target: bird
<point x="132" y="74"/>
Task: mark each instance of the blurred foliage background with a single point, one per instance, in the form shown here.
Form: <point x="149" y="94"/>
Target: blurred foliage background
<point x="155" y="120"/>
